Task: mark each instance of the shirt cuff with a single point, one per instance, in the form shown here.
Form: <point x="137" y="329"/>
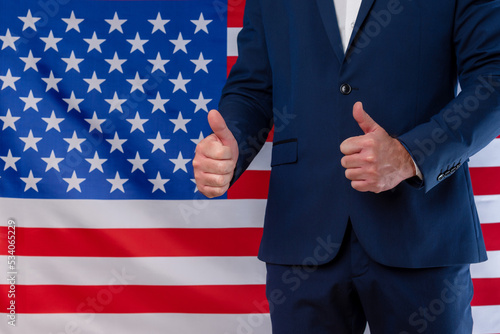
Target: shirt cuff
<point x="419" y="173"/>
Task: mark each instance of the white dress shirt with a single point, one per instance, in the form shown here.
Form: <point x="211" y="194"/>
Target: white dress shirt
<point x="347" y="12"/>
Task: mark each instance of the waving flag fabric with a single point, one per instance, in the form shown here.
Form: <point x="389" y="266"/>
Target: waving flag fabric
<point x="102" y="228"/>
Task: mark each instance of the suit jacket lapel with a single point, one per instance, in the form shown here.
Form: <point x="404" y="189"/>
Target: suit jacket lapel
<point x="327" y="10"/>
<point x="365" y="8"/>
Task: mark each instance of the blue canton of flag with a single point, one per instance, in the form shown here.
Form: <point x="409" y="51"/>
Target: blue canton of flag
<point x="106" y="99"/>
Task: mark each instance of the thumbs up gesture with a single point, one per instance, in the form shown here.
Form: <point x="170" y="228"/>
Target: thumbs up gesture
<point x="375" y="161"/>
<point x="215" y="158"/>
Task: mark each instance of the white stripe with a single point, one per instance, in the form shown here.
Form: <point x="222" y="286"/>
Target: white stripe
<point x="488" y="156"/>
<point x="232" y="44"/>
<point x="263" y="160"/>
<point x="137" y="271"/>
<point x="165" y="270"/>
<point x="486" y="319"/>
<point x="158" y="323"/>
<point x="488" y="269"/>
<point x="488" y="208"/>
<point x="133" y="213"/>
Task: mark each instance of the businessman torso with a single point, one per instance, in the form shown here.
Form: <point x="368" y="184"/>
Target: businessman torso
<point x="402" y="64"/>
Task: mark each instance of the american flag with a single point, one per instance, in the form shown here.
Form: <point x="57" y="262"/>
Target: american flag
<point x="102" y="104"/>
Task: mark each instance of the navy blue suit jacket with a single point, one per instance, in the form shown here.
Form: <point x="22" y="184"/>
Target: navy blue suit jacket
<point x="403" y="62"/>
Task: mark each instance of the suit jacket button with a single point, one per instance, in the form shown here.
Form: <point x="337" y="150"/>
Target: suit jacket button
<point x="440" y="177"/>
<point x="447" y="173"/>
<point x="345" y="89"/>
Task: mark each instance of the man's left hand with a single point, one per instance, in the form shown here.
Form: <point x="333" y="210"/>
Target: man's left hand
<point x="375" y="161"/>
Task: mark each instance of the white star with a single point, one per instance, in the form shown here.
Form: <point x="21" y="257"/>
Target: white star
<point x="158" y="143"/>
<point x="115" y="63"/>
<point x="72" y="62"/>
<point x="180" y="163"/>
<point x="158" y="103"/>
<point x="30" y="141"/>
<point x="158" y="23"/>
<point x="53" y="122"/>
<point x="10" y="161"/>
<point x="96" y="163"/>
<point x="195" y="187"/>
<point x="138" y="163"/>
<point x="116" y="23"/>
<point x="51" y="82"/>
<point x="116" y="143"/>
<point x="73" y="102"/>
<point x="31" y="182"/>
<point x="94" y="43"/>
<point x="95" y="123"/>
<point x="94" y="83"/>
<point x="29" y="21"/>
<point x="115" y="103"/>
<point x="180" y="123"/>
<point x="201" y="24"/>
<point x="52" y="162"/>
<point x="137" y="123"/>
<point x="137" y="83"/>
<point x="137" y="43"/>
<point x="9" y="120"/>
<point x="9" y="80"/>
<point x="200" y="138"/>
<point x="51" y="42"/>
<point x="30" y="101"/>
<point x="158" y="63"/>
<point x="180" y="83"/>
<point x="9" y="40"/>
<point x="30" y="62"/>
<point x="117" y="183"/>
<point x="73" y="182"/>
<point x="73" y="22"/>
<point x="201" y="103"/>
<point x="159" y="183"/>
<point x="201" y="63"/>
<point x="180" y="43"/>
<point x="74" y="142"/>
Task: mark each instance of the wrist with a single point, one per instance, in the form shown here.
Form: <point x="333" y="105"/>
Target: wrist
<point x="408" y="167"/>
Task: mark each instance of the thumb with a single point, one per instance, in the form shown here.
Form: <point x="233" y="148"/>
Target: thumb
<point x="220" y="129"/>
<point x="366" y="123"/>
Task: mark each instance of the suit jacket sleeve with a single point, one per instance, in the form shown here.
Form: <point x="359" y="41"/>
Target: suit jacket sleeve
<point x="472" y="119"/>
<point x="246" y="102"/>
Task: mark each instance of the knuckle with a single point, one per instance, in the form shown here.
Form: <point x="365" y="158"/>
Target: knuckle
<point x="370" y="142"/>
<point x="196" y="163"/>
<point x="371" y="159"/>
<point x="219" y="180"/>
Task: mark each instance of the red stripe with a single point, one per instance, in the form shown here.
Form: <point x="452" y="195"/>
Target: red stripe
<point x="134" y="242"/>
<point x="491" y="234"/>
<point x="271" y="135"/>
<point x="122" y="298"/>
<point x="231" y="60"/>
<point x="251" y="185"/>
<point x="235" y="10"/>
<point x="485" y="180"/>
<point x="486" y="291"/>
<point x="255" y="184"/>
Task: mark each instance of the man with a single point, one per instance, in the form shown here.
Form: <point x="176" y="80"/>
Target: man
<point x="370" y="213"/>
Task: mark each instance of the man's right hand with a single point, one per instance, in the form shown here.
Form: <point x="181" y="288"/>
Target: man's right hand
<point x="215" y="158"/>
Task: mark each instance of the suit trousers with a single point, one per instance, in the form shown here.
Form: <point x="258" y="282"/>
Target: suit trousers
<point x="351" y="290"/>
